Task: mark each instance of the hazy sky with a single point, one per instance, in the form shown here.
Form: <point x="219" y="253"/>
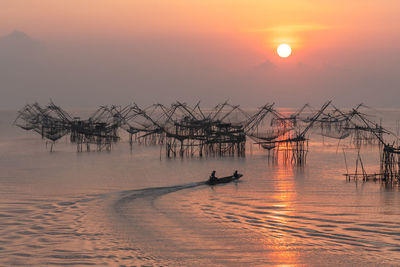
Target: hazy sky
<point x="92" y="52"/>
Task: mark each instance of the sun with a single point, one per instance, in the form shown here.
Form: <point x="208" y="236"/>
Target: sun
<point x="284" y="50"/>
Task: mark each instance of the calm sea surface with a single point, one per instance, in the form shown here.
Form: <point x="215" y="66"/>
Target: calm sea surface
<point x="129" y="207"/>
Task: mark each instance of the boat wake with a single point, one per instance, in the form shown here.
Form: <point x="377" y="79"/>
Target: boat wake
<point x="166" y="226"/>
<point x="151" y="193"/>
<point x="144" y="219"/>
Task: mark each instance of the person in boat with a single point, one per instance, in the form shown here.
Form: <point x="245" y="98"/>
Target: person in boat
<point x="212" y="177"/>
<point x="235" y="174"/>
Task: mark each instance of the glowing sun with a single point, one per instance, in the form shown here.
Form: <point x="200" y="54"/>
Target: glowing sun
<point x="284" y="50"/>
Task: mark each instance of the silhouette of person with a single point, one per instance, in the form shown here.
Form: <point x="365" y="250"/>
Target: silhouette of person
<point x="212" y="177"/>
<point x="235" y="174"/>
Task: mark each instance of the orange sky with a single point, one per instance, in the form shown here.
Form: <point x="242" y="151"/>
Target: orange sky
<point x="328" y="38"/>
<point x="303" y="24"/>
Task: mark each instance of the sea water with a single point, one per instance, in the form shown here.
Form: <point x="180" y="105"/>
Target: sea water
<point x="134" y="206"/>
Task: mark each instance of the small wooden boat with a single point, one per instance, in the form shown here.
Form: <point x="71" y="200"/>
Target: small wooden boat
<point x="223" y="180"/>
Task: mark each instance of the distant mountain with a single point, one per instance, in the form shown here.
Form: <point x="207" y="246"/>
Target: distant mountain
<point x="16" y="36"/>
<point x="266" y="65"/>
<point x="18" y="42"/>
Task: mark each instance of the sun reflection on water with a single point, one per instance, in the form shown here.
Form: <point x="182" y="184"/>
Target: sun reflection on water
<point x="284" y="196"/>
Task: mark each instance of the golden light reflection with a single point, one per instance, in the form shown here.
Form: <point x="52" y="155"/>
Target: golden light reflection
<point x="285" y="191"/>
<point x="283" y="197"/>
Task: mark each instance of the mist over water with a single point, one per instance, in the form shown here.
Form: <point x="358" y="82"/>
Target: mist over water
<point x="129" y="207"/>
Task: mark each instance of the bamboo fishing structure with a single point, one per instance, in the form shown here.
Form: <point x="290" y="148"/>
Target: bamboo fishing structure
<point x="182" y="130"/>
<point x="389" y="155"/>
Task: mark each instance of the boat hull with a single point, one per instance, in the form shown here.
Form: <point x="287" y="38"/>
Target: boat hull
<point x="224" y="180"/>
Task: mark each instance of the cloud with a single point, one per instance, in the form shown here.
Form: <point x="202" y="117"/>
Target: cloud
<point x="295" y="28"/>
